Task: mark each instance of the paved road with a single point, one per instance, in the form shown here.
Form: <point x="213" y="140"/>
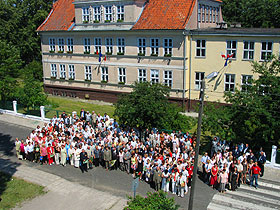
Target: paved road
<point x="114" y="182"/>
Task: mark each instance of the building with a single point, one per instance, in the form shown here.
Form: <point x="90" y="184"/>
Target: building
<point x="96" y="49"/>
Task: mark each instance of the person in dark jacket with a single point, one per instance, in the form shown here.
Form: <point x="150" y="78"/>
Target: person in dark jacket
<point x="84" y="160"/>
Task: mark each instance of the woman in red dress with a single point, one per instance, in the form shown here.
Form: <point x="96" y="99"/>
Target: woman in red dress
<point x="50" y="152"/>
<point x="214" y="176"/>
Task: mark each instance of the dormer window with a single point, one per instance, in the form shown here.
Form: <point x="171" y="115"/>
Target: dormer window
<point x="97" y="13"/>
<point x="85" y="14"/>
<point x="108" y="13"/>
<point x="120" y="13"/>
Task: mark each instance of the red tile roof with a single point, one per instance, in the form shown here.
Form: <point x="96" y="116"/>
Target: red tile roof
<point x="60" y="18"/>
<point x="165" y="14"/>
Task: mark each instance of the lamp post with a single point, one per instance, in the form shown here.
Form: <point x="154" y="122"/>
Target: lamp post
<point x="200" y="113"/>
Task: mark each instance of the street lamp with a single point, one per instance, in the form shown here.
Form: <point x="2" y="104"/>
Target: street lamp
<point x="200" y="113"/>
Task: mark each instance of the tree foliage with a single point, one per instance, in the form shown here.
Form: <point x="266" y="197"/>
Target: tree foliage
<point x="147" y="107"/>
<point x="252" y="13"/>
<point x="254" y="114"/>
<point x="156" y="200"/>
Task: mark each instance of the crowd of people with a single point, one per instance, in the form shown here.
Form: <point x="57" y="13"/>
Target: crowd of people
<point x="163" y="160"/>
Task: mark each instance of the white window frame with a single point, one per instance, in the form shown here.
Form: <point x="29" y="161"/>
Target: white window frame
<point x="248" y="53"/>
<point x="244" y="82"/>
<point x="142" y="46"/>
<point x="104" y="73"/>
<point x="121" y="45"/>
<point x="122" y="74"/>
<point x="154" y="76"/>
<point x="108" y="13"/>
<point x="200" y="51"/>
<point x="167" y="46"/>
<point x="97" y="13"/>
<point x="168" y="78"/>
<point x="98" y="45"/>
<point x="154" y="43"/>
<point x="230" y="49"/>
<point x="199" y="76"/>
<point x="71" y="71"/>
<point x="142" y="75"/>
<point x="88" y="73"/>
<point x="266" y="51"/>
<point x="87" y="45"/>
<point x="199" y="13"/>
<point x="61" y="44"/>
<point x="62" y="70"/>
<point x="53" y="70"/>
<point x="120" y="12"/>
<point x="109" y="45"/>
<point x="203" y="13"/>
<point x="70" y="43"/>
<point x="85" y="14"/>
<point x="229" y="85"/>
<point x="52" y="44"/>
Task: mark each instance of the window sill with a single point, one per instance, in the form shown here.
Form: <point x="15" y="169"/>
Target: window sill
<point x="247" y="59"/>
<point x="200" y="57"/>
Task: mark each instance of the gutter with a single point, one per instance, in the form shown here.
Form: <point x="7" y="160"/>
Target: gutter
<point x="184" y="70"/>
<point x="190" y="72"/>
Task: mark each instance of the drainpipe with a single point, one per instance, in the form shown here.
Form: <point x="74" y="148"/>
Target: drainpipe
<point x="184" y="71"/>
<point x="190" y="73"/>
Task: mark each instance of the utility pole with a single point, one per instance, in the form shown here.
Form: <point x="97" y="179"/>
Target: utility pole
<point x="200" y="113"/>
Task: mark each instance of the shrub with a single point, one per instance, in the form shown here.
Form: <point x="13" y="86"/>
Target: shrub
<point x="152" y="201"/>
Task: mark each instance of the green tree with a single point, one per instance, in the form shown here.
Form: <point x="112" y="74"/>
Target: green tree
<point x="147" y="106"/>
<point x="252" y="13"/>
<point x="9" y="66"/>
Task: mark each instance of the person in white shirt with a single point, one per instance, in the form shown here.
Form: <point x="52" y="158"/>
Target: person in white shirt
<point x="181" y="183"/>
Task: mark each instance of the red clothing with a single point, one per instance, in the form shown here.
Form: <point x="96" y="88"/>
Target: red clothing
<point x="214" y="177"/>
<point x="256" y="169"/>
<point x="190" y="171"/>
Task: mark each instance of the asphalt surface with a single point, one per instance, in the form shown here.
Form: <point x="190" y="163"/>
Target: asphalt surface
<point x="114" y="182"/>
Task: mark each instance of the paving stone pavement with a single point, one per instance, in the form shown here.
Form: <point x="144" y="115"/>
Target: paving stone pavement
<point x="62" y="194"/>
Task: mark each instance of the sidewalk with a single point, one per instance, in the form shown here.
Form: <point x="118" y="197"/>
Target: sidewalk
<point x="62" y="194"/>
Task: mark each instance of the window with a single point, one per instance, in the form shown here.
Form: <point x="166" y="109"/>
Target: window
<point x="120" y="13"/>
<point x="167" y="46"/>
<point x="87" y="45"/>
<point x="53" y="70"/>
<point x="70" y="45"/>
<point x="108" y="13"/>
<point x="88" y="75"/>
<point x="210" y="16"/>
<point x="62" y="70"/>
<point x="203" y="13"/>
<point x="266" y="51"/>
<point x="85" y="14"/>
<point x="141" y="46"/>
<point x="214" y="12"/>
<point x="121" y="46"/>
<point x="231" y="48"/>
<point x="207" y="14"/>
<point x="122" y="75"/>
<point x="217" y="15"/>
<point x="199" y="76"/>
<point x="154" y="76"/>
<point x="199" y="13"/>
<point x="97" y="43"/>
<point x="229" y="82"/>
<point x="248" y="50"/>
<point x="200" y="48"/>
<point x="167" y="78"/>
<point x="142" y="75"/>
<point x="71" y="72"/>
<point x="60" y="45"/>
<point x="52" y="44"/>
<point x="154" y="46"/>
<point x="109" y="45"/>
<point x="104" y="74"/>
<point x="97" y="14"/>
<point x="246" y="80"/>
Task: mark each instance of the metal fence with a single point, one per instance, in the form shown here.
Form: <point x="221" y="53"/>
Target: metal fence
<point x="8" y="105"/>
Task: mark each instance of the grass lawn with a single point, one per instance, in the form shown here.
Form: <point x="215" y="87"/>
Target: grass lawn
<point x="68" y="105"/>
<point x="14" y="191"/>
